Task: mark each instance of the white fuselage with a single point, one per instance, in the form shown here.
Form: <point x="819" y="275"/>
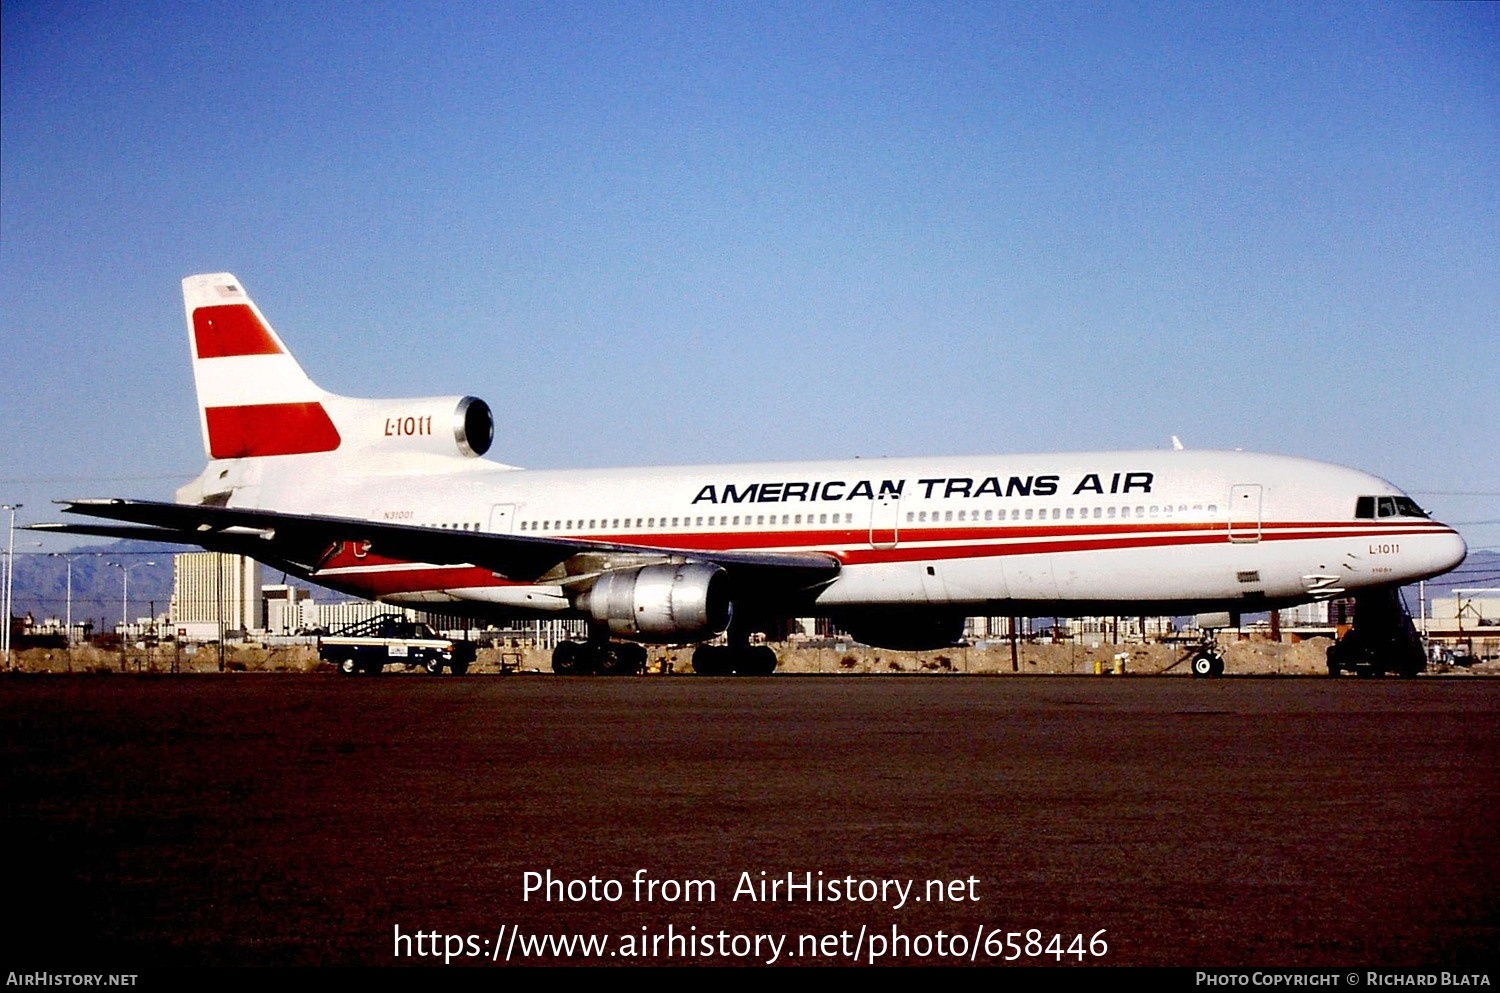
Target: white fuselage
<point x="1107" y="532"/>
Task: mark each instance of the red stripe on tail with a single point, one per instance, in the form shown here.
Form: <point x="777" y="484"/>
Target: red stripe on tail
<point x="231" y="329"/>
<point x="269" y="429"/>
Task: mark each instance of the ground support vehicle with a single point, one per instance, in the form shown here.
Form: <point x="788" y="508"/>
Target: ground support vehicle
<point x="390" y="639"/>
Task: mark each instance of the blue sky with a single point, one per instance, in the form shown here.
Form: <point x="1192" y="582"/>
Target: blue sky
<point x="667" y="233"/>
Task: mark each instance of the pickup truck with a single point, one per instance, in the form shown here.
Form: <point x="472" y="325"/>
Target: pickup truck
<point x="390" y="639"/>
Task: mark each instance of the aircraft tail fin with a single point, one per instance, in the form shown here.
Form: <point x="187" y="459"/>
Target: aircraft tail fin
<point x="253" y="398"/>
<point x="255" y="401"/>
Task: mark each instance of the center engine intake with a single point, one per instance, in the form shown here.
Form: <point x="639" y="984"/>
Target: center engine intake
<point x="662" y="603"/>
<point x="462" y="426"/>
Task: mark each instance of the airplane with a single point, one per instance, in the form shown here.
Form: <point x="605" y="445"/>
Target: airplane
<point x="392" y="500"/>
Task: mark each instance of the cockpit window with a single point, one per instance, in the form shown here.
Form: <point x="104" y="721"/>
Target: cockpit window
<point x="1387" y="506"/>
<point x="1407" y="507"/>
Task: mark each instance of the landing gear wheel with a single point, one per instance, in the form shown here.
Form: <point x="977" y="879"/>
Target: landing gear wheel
<point x="759" y="661"/>
<point x="565" y="660"/>
<point x="635" y="658"/>
<point x="711" y="660"/>
<point x="1206" y="664"/>
<point x="1406" y="669"/>
<point x="347" y="666"/>
<point x="611" y="660"/>
<point x="1343" y="655"/>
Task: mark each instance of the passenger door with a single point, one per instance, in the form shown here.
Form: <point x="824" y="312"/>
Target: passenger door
<point x="884" y="522"/>
<point x="1244" y="512"/>
<point x="502" y="518"/>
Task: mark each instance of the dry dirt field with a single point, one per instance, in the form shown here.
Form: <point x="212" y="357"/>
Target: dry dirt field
<point x="1248" y="657"/>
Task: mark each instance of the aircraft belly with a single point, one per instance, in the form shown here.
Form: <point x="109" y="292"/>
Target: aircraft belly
<point x="1031" y="577"/>
<point x="1219" y="572"/>
<point x="876" y="582"/>
<point x="975" y="580"/>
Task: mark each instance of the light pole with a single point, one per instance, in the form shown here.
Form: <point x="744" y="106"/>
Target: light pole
<point x="125" y="603"/>
<point x="68" y="622"/>
<point x="68" y="557"/>
<point x="10" y="567"/>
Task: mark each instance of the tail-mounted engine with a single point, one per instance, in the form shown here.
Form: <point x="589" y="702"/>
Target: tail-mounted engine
<point x="662" y="603"/>
<point x="429" y="425"/>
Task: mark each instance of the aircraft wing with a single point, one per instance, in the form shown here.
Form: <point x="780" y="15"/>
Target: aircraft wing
<point x="305" y="541"/>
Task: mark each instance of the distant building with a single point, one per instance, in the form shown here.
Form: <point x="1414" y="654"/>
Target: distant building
<point x="332" y="616"/>
<point x="214" y="591"/>
<point x="1466" y="610"/>
<point x="1117" y="629"/>
<point x="986" y="628"/>
<point x="283" y="609"/>
<point x="1466" y="623"/>
<point x="1313" y="614"/>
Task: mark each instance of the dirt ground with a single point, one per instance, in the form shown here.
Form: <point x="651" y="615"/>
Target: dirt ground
<point x="1253" y="657"/>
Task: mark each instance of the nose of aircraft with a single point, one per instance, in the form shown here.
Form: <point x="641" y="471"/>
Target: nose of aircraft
<point x="1453" y="552"/>
<point x="1430" y="554"/>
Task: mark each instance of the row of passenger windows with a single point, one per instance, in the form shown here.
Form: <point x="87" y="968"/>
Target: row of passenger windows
<point x="1060" y="513"/>
<point x="912" y="517"/>
<point x="713" y="520"/>
<point x="1365" y="506"/>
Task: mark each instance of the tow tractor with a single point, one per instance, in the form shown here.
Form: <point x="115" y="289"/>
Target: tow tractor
<point x="1383" y="638"/>
<point x="390" y="639"/>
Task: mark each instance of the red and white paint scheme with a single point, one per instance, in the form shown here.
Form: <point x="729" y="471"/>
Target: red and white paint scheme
<point x="390" y="499"/>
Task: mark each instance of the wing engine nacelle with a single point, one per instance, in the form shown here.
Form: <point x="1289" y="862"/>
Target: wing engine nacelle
<point x="661" y="603"/>
<point x="427" y="425"/>
<point x="904" y="631"/>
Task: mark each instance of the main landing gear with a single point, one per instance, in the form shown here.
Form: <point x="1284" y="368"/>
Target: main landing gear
<point x="738" y="658"/>
<point x="604" y="658"/>
<point x="726" y="660"/>
<point x="1383" y="639"/>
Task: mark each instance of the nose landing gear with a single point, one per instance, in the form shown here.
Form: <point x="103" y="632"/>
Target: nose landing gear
<point x="1206" y="661"/>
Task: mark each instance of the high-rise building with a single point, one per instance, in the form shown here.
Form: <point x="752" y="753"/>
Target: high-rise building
<point x="214" y="590"/>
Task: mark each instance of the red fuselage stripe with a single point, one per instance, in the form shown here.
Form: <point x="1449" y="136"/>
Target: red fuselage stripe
<point x="949" y="544"/>
<point x="422" y="578"/>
